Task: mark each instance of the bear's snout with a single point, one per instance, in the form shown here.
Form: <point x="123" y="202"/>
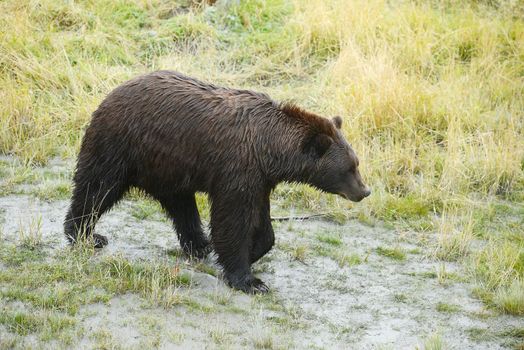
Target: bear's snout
<point x="356" y="196"/>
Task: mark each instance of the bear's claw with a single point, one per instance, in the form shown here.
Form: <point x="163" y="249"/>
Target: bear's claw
<point x="250" y="285"/>
<point x="259" y="287"/>
<point x="99" y="240"/>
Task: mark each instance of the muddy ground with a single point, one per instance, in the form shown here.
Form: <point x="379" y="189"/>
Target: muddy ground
<point x="349" y="286"/>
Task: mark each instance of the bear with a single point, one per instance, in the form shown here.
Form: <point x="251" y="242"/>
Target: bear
<point x="171" y="136"/>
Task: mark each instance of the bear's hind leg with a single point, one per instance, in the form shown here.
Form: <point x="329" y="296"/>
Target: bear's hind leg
<point x="184" y="213"/>
<point x="92" y="196"/>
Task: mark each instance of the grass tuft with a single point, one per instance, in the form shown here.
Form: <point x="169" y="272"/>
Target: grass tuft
<point x="30" y="235"/>
<point x="447" y="308"/>
<point x="455" y="234"/>
<point x="329" y="239"/>
<point x="434" y="342"/>
<point x="498" y="269"/>
<point x="25" y="322"/>
<point x="396" y="253"/>
<point x="511" y="300"/>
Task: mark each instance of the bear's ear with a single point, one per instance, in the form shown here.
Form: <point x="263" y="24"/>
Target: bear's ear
<point x="337" y="121"/>
<point x="318" y="144"/>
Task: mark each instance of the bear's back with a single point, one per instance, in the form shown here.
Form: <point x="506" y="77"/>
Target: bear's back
<point x="174" y="97"/>
<point x="168" y="118"/>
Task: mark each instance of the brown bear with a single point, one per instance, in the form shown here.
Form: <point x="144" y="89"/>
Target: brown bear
<point x="171" y="136"/>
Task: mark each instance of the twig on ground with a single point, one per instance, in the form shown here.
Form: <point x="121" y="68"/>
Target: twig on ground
<point x="303" y="217"/>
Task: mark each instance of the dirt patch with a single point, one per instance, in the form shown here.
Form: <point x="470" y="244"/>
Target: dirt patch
<point x="332" y="287"/>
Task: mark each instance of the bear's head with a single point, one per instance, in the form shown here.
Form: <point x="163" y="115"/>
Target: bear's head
<point x="336" y="164"/>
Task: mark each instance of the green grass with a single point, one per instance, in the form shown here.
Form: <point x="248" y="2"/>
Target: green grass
<point x="447" y="308"/>
<point x="498" y="270"/>
<point x="513" y="336"/>
<point x="400" y="298"/>
<point x="338" y="254"/>
<point x="205" y="268"/>
<point x="329" y="239"/>
<point x="296" y="250"/>
<point x="479" y="334"/>
<point x="13" y="256"/>
<point x="54" y="190"/>
<point x="432" y="102"/>
<point x="444" y="277"/>
<point x="48" y="325"/>
<point x="53" y="287"/>
<point x="511" y="299"/>
<point x="104" y="339"/>
<point x="146" y="209"/>
<point x="395" y="253"/>
<point x="72" y="279"/>
<point x="347" y="259"/>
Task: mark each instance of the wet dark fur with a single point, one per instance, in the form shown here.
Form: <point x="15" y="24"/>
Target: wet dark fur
<point x="172" y="135"/>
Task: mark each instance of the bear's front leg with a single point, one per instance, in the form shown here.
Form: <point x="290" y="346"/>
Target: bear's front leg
<point x="234" y="219"/>
<point x="264" y="237"/>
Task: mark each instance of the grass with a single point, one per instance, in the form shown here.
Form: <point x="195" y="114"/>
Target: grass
<point x="445" y="277"/>
<point x="514" y="336"/>
<point x="48" y="325"/>
<point x="347" y="259"/>
<point x="431" y="94"/>
<point x="329" y="239"/>
<point x="447" y="308"/>
<point x="395" y="253"/>
<point x="454" y="236"/>
<point x="210" y="270"/>
<point x="72" y="279"/>
<point x="337" y="253"/>
<point x="479" y="334"/>
<point x="30" y="235"/>
<point x="103" y="339"/>
<point x="498" y="269"/>
<point x="52" y="288"/>
<point x="434" y="342"/>
<point x="297" y="251"/>
<point x="176" y="337"/>
<point x="220" y="336"/>
<point x="517" y="336"/>
<point x="145" y="209"/>
<point x="400" y="298"/>
<point x="264" y="342"/>
<point x="511" y="300"/>
<point x="54" y="190"/>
